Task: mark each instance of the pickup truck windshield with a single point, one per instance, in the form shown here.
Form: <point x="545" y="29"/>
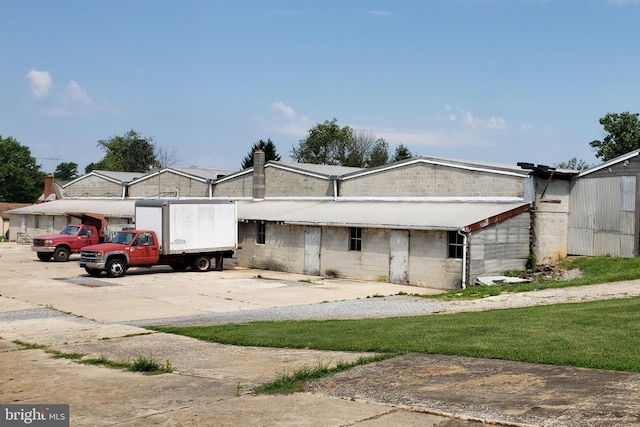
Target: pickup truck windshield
<point x="70" y="230"/>
<point x="123" y="238"/>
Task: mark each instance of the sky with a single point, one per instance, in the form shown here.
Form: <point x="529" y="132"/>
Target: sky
<point x="502" y="81"/>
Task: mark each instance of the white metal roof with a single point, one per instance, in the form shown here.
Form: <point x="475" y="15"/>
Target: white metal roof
<point x="110" y="208"/>
<point x="376" y="214"/>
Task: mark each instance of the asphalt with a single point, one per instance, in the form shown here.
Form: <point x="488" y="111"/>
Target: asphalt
<point x="54" y="307"/>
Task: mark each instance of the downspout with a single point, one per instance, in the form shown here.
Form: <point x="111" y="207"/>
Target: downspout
<point x="334" y="178"/>
<point x="465" y="237"/>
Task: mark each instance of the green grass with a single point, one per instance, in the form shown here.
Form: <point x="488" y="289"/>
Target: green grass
<point x="595" y="270"/>
<point x="600" y="334"/>
<point x="294" y="383"/>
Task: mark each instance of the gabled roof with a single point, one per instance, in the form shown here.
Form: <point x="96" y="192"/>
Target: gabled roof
<point x="382" y="214"/>
<point x="496" y="168"/>
<point x="319" y="171"/>
<point x="199" y="174"/>
<point x="115" y="177"/>
<point x="619" y="159"/>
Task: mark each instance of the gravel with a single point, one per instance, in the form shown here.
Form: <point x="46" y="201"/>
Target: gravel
<point x="402" y="306"/>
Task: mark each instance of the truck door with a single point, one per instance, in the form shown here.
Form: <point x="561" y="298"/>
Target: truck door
<point x="143" y="250"/>
<point x="85" y="238"/>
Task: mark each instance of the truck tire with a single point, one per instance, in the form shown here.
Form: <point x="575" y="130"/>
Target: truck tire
<point x="201" y="263"/>
<point x="93" y="271"/>
<point x="219" y="262"/>
<point x="61" y="254"/>
<point x="44" y="256"/>
<point x="115" y="267"/>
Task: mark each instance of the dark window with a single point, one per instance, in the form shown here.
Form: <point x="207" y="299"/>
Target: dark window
<point x="37" y="221"/>
<point x="261" y="238"/>
<point x="355" y="239"/>
<point x="456" y="244"/>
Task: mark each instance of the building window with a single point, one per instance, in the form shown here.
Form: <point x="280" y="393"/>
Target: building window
<point x="37" y="221"/>
<point x="455" y="244"/>
<point x="355" y="239"/>
<point x="261" y="237"/>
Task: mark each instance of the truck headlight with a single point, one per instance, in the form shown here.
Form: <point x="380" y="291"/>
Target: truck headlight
<point x="48" y="242"/>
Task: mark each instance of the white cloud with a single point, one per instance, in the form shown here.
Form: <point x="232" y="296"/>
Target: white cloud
<point x="76" y="95"/>
<point x="40" y="82"/>
<point x="469" y="120"/>
<point x="294" y="124"/>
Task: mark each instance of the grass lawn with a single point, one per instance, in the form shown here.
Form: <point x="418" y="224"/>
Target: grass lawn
<point x="600" y="334"/>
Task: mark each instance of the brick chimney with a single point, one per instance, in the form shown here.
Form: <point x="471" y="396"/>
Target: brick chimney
<point x="258" y="175"/>
<point x="49" y="193"/>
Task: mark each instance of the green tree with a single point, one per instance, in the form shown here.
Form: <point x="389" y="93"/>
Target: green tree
<point x="21" y="179"/>
<point x="401" y="153"/>
<point x="128" y="153"/>
<point x="327" y="144"/>
<point x="66" y="171"/>
<point x="379" y="154"/>
<point x="270" y="153"/>
<point x="573" y="163"/>
<point x="622" y="135"/>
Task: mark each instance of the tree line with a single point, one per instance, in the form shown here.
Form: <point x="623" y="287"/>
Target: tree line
<point x="21" y="178"/>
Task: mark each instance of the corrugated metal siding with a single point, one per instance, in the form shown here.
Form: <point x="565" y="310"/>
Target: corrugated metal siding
<point x="602" y="217"/>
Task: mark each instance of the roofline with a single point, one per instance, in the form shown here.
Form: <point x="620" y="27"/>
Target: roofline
<point x="609" y="163"/>
<point x="497" y="218"/>
<point x="94" y="173"/>
<point x="300" y="171"/>
<point x="234" y="175"/>
<point x="177" y="172"/>
<point x="434" y="162"/>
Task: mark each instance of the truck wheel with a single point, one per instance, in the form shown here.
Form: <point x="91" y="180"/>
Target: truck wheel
<point x="115" y="268"/>
<point x="61" y="254"/>
<point x="92" y="271"/>
<point x="201" y="263"/>
<point x="44" y="256"/>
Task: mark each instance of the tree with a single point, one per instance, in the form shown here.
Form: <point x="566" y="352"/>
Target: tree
<point x="128" y="153"/>
<point x="379" y="154"/>
<point x="270" y="153"/>
<point x="66" y="171"/>
<point x="327" y="144"/>
<point x="622" y="135"/>
<point x="21" y="179"/>
<point x="401" y="153"/>
<point x="574" y="164"/>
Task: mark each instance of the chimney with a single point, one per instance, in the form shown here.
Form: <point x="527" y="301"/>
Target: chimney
<point x="258" y="175"/>
<point x="49" y="193"/>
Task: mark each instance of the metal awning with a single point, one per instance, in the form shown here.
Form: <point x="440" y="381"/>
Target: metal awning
<point x="382" y="214"/>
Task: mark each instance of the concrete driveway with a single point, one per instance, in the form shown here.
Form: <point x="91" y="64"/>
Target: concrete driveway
<point x="58" y="307"/>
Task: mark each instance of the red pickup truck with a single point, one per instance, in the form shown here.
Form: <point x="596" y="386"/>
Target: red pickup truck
<point x="70" y="240"/>
<point x="140" y="248"/>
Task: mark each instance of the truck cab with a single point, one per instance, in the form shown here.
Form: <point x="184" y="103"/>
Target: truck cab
<point x="131" y="248"/>
<point x="70" y="240"/>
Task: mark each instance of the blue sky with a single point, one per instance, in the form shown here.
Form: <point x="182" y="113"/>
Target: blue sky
<point x="487" y="80"/>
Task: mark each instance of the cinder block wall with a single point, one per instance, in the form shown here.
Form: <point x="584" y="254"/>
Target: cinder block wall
<point x="426" y="180"/>
<point x="551" y="220"/>
<point x="93" y="186"/>
<point x="283" y="183"/>
<point x="169" y="184"/>
<point x="273" y="255"/>
<point x="241" y="186"/>
<point x="428" y="263"/>
<point x="372" y="263"/>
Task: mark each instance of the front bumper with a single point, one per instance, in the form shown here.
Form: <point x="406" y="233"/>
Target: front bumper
<point x="49" y="249"/>
<point x="92" y="264"/>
